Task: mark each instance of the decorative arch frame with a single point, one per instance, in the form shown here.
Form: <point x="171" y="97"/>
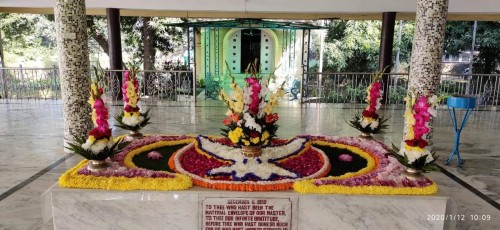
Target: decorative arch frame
<point x="230" y="53"/>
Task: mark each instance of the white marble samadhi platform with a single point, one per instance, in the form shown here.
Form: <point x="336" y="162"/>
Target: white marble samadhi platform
<point x="201" y="208"/>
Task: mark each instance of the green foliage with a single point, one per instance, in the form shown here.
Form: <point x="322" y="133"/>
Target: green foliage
<point x="459" y="38"/>
<point x="396" y="94"/>
<point x="28" y="39"/>
<point x="97" y="29"/>
<point x="335" y="97"/>
<point x="170" y="65"/>
<point x="201" y="83"/>
<point x="336" y="30"/>
<point x="344" y="93"/>
<point x="405" y="46"/>
<point x="165" y="38"/>
<point x="352" y="46"/>
<point x="452" y="87"/>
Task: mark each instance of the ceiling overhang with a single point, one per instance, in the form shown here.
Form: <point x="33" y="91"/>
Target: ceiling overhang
<point x="247" y="23"/>
<point x="275" y="9"/>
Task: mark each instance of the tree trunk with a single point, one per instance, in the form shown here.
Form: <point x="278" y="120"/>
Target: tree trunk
<point x="149" y="52"/>
<point x="2" y="72"/>
<point x="96" y="35"/>
<point x="2" y="64"/>
<point x="101" y="40"/>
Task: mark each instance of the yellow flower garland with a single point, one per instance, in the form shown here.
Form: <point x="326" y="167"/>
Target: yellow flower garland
<point x="72" y="179"/>
<point x="127" y="161"/>
<point x="308" y="186"/>
<point x="93" y="91"/>
<point x="371" y="164"/>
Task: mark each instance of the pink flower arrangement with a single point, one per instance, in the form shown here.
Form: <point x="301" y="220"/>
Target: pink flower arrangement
<point x="388" y="173"/>
<point x="250" y="120"/>
<point x="370" y="121"/>
<point x="102" y="130"/>
<point x="255" y="86"/>
<point x="200" y="164"/>
<point x="415" y="151"/>
<point x="422" y="117"/>
<point x="131" y="118"/>
<point x="99" y="144"/>
<point x="126" y="75"/>
<point x="373" y="99"/>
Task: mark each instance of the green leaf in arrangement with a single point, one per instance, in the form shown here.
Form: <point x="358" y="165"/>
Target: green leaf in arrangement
<point x="77" y="148"/>
<point x="146" y="121"/>
<point x="419" y="164"/>
<point x="355" y="123"/>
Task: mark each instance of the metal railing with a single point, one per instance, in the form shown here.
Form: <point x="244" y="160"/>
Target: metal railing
<point x="162" y="85"/>
<point x="351" y="87"/>
<point x="170" y="85"/>
<point x="44" y="83"/>
<point x="30" y="83"/>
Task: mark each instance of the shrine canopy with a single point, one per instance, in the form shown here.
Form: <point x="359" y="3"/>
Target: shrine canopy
<point x="231" y="44"/>
<point x="249" y="23"/>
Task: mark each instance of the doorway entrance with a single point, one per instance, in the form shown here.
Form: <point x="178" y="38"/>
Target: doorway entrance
<point x="250" y="47"/>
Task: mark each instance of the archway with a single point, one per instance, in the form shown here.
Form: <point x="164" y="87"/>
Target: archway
<point x="242" y="46"/>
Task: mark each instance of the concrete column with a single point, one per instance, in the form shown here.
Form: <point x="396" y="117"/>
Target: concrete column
<point x="114" y="38"/>
<point x="428" y="41"/>
<point x="115" y="51"/>
<point x="386" y="45"/>
<point x="72" y="47"/>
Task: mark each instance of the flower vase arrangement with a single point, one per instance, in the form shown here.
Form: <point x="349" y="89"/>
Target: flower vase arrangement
<point x="250" y="120"/>
<point x="99" y="144"/>
<point x="416" y="151"/>
<point x="132" y="118"/>
<point x="370" y="122"/>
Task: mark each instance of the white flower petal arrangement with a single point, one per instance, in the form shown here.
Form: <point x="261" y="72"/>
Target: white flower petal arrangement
<point x="131" y="118"/>
<point x="416" y="151"/>
<point x="99" y="144"/>
<point x="370" y="121"/>
<point x="250" y="173"/>
<point x="250" y="119"/>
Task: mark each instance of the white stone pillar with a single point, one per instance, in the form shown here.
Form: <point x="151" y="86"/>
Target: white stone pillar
<point x="72" y="46"/>
<point x="428" y="42"/>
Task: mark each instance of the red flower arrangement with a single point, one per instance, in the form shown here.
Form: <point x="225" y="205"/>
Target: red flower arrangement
<point x="370" y="121"/>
